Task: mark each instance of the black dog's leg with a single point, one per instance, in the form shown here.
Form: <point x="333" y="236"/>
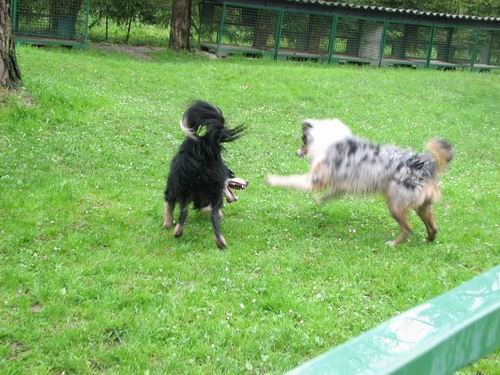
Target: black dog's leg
<point x="182" y="219"/>
<point x="169" y="212"/>
<point x="216" y="216"/>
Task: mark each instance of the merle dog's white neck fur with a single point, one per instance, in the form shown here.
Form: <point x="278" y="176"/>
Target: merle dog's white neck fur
<point x="324" y="133"/>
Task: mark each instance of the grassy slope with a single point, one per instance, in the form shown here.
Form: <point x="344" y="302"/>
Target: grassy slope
<point x="91" y="282"/>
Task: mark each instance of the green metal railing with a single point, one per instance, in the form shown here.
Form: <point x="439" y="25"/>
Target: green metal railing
<point x="429" y="51"/>
<point x="333" y="38"/>
<point x="438" y="337"/>
<point x="382" y="43"/>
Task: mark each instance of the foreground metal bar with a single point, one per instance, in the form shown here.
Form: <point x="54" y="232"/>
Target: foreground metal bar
<point x="221" y="29"/>
<point x="279" y="29"/>
<point x="382" y="43"/>
<point x="475" y="49"/>
<point x="429" y="50"/>
<point x="437" y="337"/>
<point x="87" y="16"/>
<point x="333" y="37"/>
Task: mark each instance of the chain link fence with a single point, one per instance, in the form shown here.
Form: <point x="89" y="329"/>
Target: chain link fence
<point x="210" y="21"/>
<point x="407" y="44"/>
<point x="248" y="27"/>
<point x="305" y="35"/>
<point x="289" y="34"/>
<point x="358" y="40"/>
<point x="46" y="21"/>
<point x="488" y="48"/>
<point x="453" y="46"/>
<point x="298" y="34"/>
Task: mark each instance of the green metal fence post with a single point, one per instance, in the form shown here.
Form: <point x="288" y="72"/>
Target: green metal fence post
<point x="200" y="25"/>
<point x="278" y="33"/>
<point x="474" y="49"/>
<point x="429" y="50"/>
<point x="14" y="16"/>
<point x="382" y="43"/>
<point x="221" y="29"/>
<point x="333" y="37"/>
<point x="86" y="33"/>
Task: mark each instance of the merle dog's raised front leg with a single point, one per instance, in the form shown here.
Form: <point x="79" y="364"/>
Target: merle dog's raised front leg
<point x="299" y="182"/>
<point x="182" y="219"/>
<point x="216" y="216"/>
<point x="317" y="180"/>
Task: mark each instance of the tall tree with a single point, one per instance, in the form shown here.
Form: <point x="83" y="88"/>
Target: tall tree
<point x="180" y="24"/>
<point x="10" y="75"/>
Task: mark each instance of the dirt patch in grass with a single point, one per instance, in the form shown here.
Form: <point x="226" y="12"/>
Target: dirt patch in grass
<point x="27" y="99"/>
<point x="7" y="95"/>
<point x="36" y="308"/>
<point x="16" y="349"/>
<point x="137" y="52"/>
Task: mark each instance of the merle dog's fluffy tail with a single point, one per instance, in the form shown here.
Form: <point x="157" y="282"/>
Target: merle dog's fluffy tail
<point x="442" y="152"/>
<point x="203" y="120"/>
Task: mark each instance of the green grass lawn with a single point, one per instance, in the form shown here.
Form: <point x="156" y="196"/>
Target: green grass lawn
<point x="91" y="282"/>
<point x="140" y="34"/>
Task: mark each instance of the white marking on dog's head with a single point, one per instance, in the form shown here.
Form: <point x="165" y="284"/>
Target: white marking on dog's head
<point x="319" y="135"/>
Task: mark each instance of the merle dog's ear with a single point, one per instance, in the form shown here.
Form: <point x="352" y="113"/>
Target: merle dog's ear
<point x="306" y="124"/>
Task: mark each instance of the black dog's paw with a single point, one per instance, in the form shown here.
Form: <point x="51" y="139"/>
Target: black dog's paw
<point x="178" y="231"/>
<point x="220" y="242"/>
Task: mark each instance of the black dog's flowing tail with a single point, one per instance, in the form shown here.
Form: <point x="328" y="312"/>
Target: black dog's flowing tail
<point x="202" y="119"/>
<point x="229" y="135"/>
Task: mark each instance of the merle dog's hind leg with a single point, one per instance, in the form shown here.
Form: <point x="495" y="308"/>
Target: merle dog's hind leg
<point x="427" y="215"/>
<point x="216" y="217"/>
<point x="182" y="219"/>
<point x="400" y="215"/>
<point x="168" y="215"/>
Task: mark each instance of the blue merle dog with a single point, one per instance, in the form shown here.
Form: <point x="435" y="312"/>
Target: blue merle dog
<point x="341" y="163"/>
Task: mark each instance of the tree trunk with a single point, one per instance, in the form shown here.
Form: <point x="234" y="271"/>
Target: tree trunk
<point x="180" y="24"/>
<point x="10" y="75"/>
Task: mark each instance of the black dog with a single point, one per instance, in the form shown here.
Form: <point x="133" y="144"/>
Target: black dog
<point x="197" y="172"/>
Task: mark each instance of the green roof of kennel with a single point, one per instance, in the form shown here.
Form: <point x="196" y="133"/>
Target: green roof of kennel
<point x="396" y="12"/>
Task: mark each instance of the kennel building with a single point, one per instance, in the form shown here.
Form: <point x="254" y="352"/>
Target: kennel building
<point x="60" y="22"/>
<point x="333" y="32"/>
